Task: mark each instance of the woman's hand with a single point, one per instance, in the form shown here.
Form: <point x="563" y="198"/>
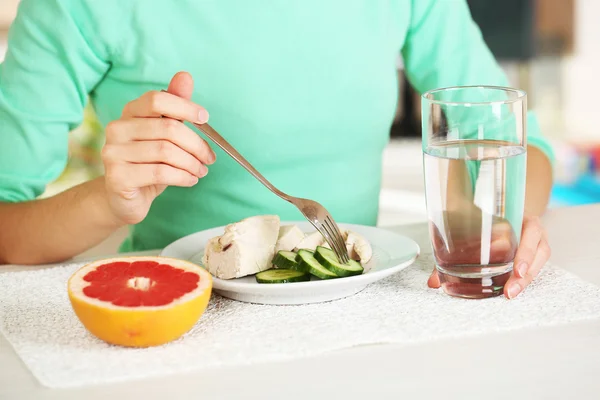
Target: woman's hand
<point x="144" y="152"/>
<point x="532" y="254"/>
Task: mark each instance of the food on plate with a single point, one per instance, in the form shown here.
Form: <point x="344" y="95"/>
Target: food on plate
<point x="327" y="258"/>
<point x="255" y="245"/>
<point x="139" y="301"/>
<point x="359" y="248"/>
<point x="246" y="248"/>
<point x="289" y="237"/>
<point x="308" y="263"/>
<point x="285" y="260"/>
<point x="311" y="241"/>
<point x="282" y="276"/>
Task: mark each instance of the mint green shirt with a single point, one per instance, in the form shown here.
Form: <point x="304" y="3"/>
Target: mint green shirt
<point x="306" y="90"/>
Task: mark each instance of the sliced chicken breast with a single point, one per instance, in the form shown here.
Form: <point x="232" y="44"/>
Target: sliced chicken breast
<point x="289" y="237"/>
<point x="247" y="247"/>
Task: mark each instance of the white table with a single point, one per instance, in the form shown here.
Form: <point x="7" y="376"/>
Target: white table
<point x="548" y="363"/>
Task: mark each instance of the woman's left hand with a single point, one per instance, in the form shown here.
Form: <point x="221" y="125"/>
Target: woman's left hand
<point x="531" y="256"/>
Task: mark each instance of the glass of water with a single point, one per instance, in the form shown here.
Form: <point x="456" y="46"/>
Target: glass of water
<point x="474" y="157"/>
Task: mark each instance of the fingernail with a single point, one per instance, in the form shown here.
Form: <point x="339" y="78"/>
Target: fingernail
<point x="212" y="158"/>
<point x="522" y="269"/>
<point x="203" y="171"/>
<point x="202" y="116"/>
<point x="514" y="290"/>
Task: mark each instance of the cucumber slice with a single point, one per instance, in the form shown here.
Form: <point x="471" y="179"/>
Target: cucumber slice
<point x="282" y="276"/>
<point x="307" y="262"/>
<point x="327" y="258"/>
<point x="285" y="260"/>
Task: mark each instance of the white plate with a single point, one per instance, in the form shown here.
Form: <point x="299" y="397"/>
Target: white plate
<point x="391" y="253"/>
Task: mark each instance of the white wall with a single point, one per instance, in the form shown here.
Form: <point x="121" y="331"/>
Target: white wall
<point x="581" y="75"/>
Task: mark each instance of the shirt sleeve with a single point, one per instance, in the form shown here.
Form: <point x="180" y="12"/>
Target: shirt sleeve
<point x="49" y="70"/>
<point x="444" y="47"/>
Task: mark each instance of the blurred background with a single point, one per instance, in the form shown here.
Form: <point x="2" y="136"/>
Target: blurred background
<point x="547" y="47"/>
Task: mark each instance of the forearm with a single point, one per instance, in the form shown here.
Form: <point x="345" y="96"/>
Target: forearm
<point x="56" y="228"/>
<point x="539" y="182"/>
<point x="537" y="192"/>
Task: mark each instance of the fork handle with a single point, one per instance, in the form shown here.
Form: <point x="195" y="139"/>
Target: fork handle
<point x="227" y="148"/>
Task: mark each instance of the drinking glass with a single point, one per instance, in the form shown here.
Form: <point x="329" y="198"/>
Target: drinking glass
<point x="474" y="158"/>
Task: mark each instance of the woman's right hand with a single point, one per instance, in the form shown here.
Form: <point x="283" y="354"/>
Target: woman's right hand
<point x="148" y="149"/>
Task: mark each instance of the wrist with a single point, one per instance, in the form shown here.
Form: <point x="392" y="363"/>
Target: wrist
<point x="100" y="206"/>
<point x="533" y="210"/>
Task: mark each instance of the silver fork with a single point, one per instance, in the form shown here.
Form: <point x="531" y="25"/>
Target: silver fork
<point x="314" y="212"/>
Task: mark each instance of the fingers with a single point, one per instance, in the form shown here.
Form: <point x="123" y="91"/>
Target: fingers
<point x="150" y="146"/>
<point x="530" y="239"/>
<point x="532" y="255"/>
<point x="155" y="152"/>
<point x="160" y="129"/>
<point x="463" y="244"/>
<point x="529" y="258"/>
<point x="516" y="284"/>
<point x="504" y="244"/>
<point x="126" y="178"/>
<point x="156" y="104"/>
<point x="182" y="85"/>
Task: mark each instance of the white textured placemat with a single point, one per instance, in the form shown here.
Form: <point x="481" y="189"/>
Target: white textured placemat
<point x="36" y="317"/>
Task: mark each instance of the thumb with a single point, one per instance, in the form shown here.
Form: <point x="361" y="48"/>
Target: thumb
<point x="182" y="85"/>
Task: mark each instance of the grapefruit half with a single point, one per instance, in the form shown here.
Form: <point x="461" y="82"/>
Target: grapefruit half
<point x="139" y="301"/>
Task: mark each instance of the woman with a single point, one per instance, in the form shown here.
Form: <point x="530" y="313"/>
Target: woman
<point x="305" y="90"/>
